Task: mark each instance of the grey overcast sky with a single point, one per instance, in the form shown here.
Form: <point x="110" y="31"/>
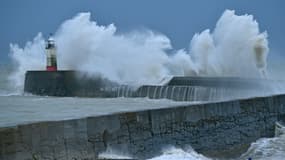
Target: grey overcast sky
<point x="21" y="20"/>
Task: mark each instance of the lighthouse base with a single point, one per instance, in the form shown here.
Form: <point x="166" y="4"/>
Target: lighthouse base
<point x="66" y="84"/>
<point x="51" y="68"/>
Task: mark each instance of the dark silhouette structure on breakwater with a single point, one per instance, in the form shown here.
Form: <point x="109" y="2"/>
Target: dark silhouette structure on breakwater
<point x="72" y="83"/>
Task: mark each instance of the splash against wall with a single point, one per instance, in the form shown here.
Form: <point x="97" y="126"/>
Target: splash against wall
<point x="235" y="47"/>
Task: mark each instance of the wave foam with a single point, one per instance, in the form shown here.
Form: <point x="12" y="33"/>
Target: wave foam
<point x="234" y="48"/>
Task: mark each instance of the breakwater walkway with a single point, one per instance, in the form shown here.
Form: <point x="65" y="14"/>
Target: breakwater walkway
<point x="209" y="128"/>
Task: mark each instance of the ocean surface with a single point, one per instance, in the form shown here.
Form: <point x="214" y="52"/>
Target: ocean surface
<point x="18" y="108"/>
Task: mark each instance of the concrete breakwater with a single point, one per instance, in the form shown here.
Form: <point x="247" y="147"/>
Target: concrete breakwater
<point x="72" y="83"/>
<point x="210" y="128"/>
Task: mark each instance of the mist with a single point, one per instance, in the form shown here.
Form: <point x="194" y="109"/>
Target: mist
<point x="234" y="48"/>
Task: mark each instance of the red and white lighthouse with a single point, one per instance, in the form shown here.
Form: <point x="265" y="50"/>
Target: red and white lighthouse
<point x="51" y="55"/>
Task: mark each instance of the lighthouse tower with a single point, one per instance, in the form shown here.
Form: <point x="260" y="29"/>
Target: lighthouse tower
<point x="51" y="54"/>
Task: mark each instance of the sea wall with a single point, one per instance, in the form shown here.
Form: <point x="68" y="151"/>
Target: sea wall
<point x="209" y="128"/>
<point x="77" y="84"/>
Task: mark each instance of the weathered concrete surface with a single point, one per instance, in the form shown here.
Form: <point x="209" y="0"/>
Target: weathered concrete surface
<point x="208" y="128"/>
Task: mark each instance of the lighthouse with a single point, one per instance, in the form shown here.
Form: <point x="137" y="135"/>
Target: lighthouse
<point x="51" y="54"/>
